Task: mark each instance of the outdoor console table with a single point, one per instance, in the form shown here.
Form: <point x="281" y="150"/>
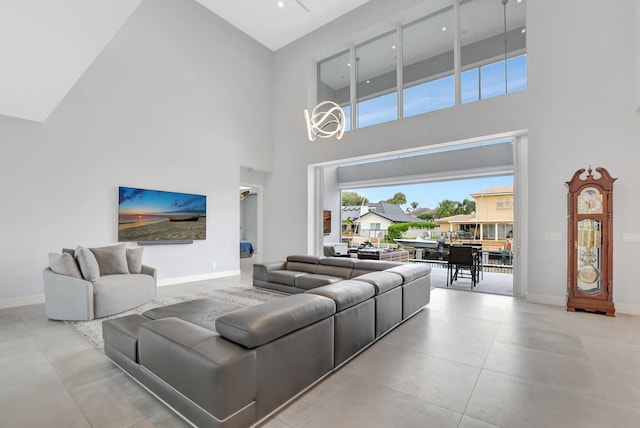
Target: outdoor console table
<point x="391" y="256"/>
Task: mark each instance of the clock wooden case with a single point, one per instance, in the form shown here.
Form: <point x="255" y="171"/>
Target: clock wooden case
<point x="590" y="242"/>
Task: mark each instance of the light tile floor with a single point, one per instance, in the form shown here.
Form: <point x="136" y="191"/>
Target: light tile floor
<point x="467" y="360"/>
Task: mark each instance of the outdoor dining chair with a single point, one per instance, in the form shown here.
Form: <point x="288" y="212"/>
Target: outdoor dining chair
<point x="462" y="258"/>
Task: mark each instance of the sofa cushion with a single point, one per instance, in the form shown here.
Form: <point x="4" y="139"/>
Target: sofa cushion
<point x="411" y="272"/>
<point x="122" y="334"/>
<point x="215" y="374"/>
<point x="257" y="325"/>
<point x="304" y="259"/>
<point x="112" y="259"/>
<point x="202" y="312"/>
<point x="286" y="277"/>
<point x="64" y="264"/>
<point x="302" y="267"/>
<point x="134" y="259"/>
<point x="345" y="294"/>
<point x="383" y="281"/>
<point x="118" y="293"/>
<point x="87" y="263"/>
<point x="337" y="261"/>
<point x="314" y="280"/>
<point x="69" y="251"/>
<point x="360" y="267"/>
<point x="342" y="272"/>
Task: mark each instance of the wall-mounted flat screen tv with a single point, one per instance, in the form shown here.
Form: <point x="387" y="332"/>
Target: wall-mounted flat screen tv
<point x="156" y="215"/>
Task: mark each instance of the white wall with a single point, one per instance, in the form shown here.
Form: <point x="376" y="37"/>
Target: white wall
<point x="332" y="201"/>
<point x="581" y="104"/>
<point x="579" y="110"/>
<point x="165" y="107"/>
<point x="637" y="28"/>
<point x="294" y="90"/>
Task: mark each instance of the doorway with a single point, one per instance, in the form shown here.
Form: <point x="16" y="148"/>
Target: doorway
<point x="430" y="164"/>
<point x="421" y="222"/>
<point x="250" y="232"/>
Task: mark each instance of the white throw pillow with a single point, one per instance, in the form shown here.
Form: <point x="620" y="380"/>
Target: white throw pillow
<point x="134" y="259"/>
<point x="64" y="264"/>
<point x="88" y="264"/>
<point x="112" y="260"/>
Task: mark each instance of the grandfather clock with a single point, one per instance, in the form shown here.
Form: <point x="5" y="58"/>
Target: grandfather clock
<point x="590" y="242"/>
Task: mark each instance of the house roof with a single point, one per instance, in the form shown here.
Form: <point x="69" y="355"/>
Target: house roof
<point x="420" y="211"/>
<point x="351" y="211"/>
<point x="495" y="190"/>
<point x="391" y="212"/>
<point x="460" y="218"/>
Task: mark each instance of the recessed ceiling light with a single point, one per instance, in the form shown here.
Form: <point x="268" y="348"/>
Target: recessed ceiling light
<point x="444" y="28"/>
<point x="368" y="81"/>
<point x="524" y="30"/>
<point x="519" y="1"/>
<point x="280" y="3"/>
<point x="348" y="64"/>
<point x="393" y="46"/>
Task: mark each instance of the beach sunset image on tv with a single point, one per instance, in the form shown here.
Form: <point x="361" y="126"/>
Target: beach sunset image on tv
<point x="155" y="215"/>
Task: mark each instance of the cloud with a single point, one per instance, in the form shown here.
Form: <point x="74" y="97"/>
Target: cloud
<point x="196" y="202"/>
<point x="125" y="195"/>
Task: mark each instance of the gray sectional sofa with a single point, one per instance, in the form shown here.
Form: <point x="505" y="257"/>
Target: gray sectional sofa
<point x="219" y="365"/>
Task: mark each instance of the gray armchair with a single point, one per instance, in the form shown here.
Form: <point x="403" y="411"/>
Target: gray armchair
<point x="97" y="286"/>
<point x="74" y="299"/>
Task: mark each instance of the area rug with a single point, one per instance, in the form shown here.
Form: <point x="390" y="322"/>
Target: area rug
<point x="244" y="296"/>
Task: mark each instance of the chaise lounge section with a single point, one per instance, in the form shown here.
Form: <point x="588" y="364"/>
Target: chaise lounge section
<point x="223" y="366"/>
<point x="300" y="273"/>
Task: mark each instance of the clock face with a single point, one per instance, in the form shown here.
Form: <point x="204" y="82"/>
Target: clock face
<point x="590" y="201"/>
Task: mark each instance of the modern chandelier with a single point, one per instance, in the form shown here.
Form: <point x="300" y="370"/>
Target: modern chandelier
<point x="326" y="120"/>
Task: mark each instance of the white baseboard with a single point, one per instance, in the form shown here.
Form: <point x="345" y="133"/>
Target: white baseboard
<point x="547" y="300"/>
<point x="622" y="308"/>
<point x="193" y="278"/>
<point x="39" y="298"/>
<point x="22" y="301"/>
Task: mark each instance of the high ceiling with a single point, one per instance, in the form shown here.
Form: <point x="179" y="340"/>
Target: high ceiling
<point x="46" y="46"/>
<point x="275" y="26"/>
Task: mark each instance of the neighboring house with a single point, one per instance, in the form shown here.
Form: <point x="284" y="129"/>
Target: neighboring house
<point x="373" y="220"/>
<point x="493" y="218"/>
<point x="420" y="211"/>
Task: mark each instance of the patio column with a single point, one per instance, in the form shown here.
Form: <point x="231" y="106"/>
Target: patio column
<point x="495" y="228"/>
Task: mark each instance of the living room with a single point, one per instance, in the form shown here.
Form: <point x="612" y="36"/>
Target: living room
<point x="181" y="100"/>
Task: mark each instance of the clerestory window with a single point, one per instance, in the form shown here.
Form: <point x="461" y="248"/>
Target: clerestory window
<point x="434" y="72"/>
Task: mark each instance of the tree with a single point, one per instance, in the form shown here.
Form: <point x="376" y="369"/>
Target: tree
<point x="350" y="226"/>
<point x="445" y="208"/>
<point x="414" y="206"/>
<point x="398" y="199"/>
<point x="353" y="199"/>
<point x="466" y="207"/>
<point x="426" y="216"/>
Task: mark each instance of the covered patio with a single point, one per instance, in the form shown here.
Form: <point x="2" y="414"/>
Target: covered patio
<point x="490" y="282"/>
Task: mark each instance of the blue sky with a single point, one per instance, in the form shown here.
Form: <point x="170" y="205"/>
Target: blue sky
<point x="477" y="83"/>
<point x="142" y="201"/>
<point x="428" y="195"/>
